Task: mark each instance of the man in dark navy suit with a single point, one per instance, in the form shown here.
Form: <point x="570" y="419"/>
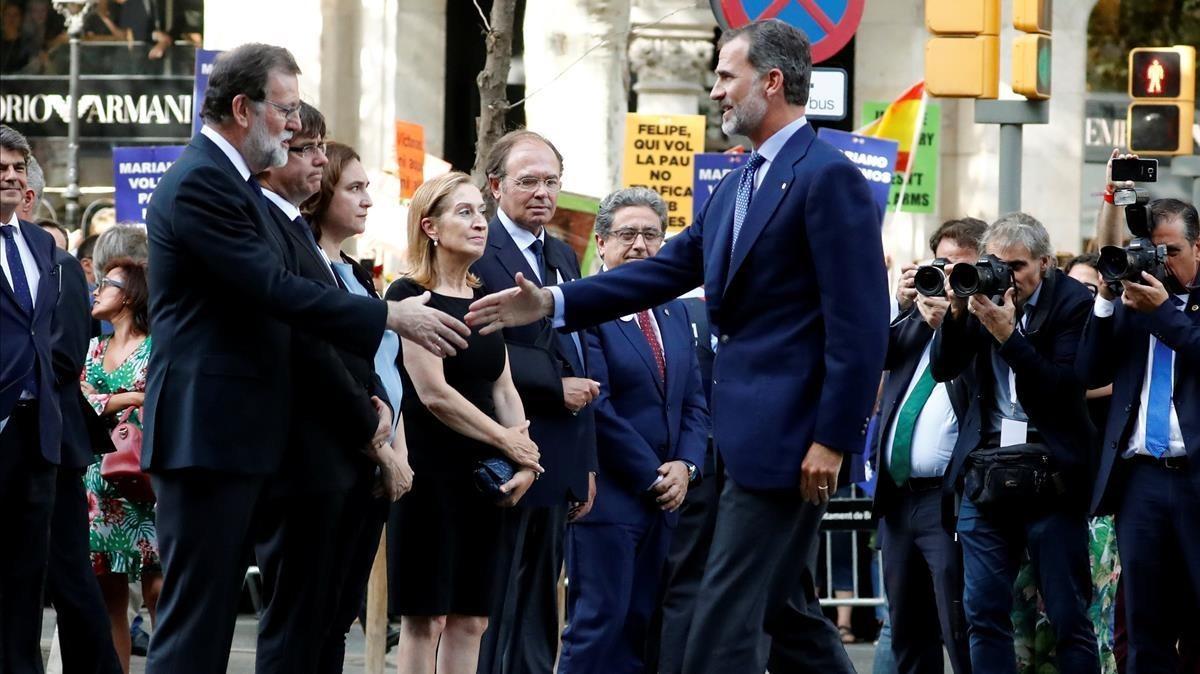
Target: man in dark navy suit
<point x="333" y="420"/>
<point x="800" y="350"/>
<point x="651" y="434"/>
<point x="30" y="421"/>
<point x="1146" y="343"/>
<point x="549" y="369"/>
<point x="1022" y="350"/>
<point x="919" y="420"/>
<point x="223" y="306"/>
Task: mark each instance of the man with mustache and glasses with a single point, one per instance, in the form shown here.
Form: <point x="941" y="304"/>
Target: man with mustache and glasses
<point x="223" y="303"/>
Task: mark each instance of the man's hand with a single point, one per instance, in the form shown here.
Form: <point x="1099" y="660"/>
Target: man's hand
<point x="578" y="392"/>
<point x="906" y="290"/>
<point x="439" y="333"/>
<point x="819" y="473"/>
<point x="672" y="488"/>
<point x="933" y="310"/>
<point x="515" y="488"/>
<point x="509" y="308"/>
<point x="579" y="510"/>
<point x="1109" y="185"/>
<point x="1000" y="320"/>
<point x="1144" y="298"/>
<point x="383" y="430"/>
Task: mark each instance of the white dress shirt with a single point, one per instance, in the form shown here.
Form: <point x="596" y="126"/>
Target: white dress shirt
<point x="524" y="240"/>
<point x="32" y="275"/>
<point x="230" y="151"/>
<point x="1137" y="440"/>
<point x="935" y="431"/>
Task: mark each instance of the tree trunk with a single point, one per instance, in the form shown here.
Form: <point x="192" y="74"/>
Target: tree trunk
<point x="492" y="80"/>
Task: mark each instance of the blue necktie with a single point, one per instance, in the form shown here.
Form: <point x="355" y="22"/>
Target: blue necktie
<point x="536" y="247"/>
<point x="744" y="192"/>
<point x="20" y="287"/>
<point x="1158" y="403"/>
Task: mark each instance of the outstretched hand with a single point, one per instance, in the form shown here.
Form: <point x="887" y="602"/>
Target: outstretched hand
<point x="509" y="308"/>
<point x="438" y="332"/>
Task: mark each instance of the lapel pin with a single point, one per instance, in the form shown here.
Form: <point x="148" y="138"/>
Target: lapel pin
<point x="667" y="312"/>
<point x="1195" y="307"/>
<point x="783" y="186"/>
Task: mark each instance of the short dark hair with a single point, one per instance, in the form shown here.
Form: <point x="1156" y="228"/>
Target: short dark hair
<point x="312" y="122"/>
<point x="774" y="44"/>
<point x="11" y="139"/>
<point x="84" y="251"/>
<point x="50" y="224"/>
<point x="136" y="290"/>
<point x="1087" y="260"/>
<point x="1163" y="210"/>
<point x="966" y="232"/>
<point x="244" y="71"/>
<point x="497" y="158"/>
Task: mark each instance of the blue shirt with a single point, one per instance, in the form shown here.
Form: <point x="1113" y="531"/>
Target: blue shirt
<point x="1007" y="406"/>
<point x="386" y="354"/>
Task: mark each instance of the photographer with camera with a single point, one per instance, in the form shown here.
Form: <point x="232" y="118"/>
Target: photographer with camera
<point x="1146" y="342"/>
<point x="1021" y="460"/>
<point x="919" y="419"/>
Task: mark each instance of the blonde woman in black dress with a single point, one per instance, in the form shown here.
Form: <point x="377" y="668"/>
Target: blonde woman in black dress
<point x="457" y="412"/>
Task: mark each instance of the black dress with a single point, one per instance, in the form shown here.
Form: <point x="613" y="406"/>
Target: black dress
<point x="442" y="535"/>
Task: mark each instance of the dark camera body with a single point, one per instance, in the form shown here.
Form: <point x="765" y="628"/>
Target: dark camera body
<point x="989" y="276"/>
<point x="1127" y="264"/>
<point x="930" y="279"/>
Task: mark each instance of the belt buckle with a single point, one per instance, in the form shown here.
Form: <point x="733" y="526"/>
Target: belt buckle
<point x="1174" y="462"/>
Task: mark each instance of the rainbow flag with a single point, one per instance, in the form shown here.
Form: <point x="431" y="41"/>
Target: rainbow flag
<point x="901" y="122"/>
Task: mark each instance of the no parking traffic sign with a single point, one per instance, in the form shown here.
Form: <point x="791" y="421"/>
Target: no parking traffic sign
<point x="829" y="24"/>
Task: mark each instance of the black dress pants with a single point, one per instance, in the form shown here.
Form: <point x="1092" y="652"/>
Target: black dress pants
<point x="27" y="484"/>
<point x="84" y="631"/>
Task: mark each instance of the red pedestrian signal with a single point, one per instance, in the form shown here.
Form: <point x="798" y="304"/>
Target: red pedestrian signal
<point x="1155" y="73"/>
<point x="1162" y="84"/>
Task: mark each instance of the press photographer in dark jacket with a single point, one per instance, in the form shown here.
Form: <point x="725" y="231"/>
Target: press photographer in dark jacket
<point x="1026" y="391"/>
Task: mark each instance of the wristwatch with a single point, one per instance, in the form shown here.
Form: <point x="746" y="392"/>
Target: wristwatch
<point x="693" y="472"/>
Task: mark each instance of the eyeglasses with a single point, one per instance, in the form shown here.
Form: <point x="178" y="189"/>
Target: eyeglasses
<point x="287" y="111"/>
<point x="106" y="282"/>
<point x="530" y="184"/>
<point x="628" y="236"/>
<point x="309" y="150"/>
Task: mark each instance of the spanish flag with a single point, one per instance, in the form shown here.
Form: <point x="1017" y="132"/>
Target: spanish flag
<point x="901" y="121"/>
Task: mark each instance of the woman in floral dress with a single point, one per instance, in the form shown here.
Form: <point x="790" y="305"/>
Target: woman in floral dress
<point x="122" y="536"/>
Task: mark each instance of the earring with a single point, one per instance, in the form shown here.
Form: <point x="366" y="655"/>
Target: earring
<point x="435" y="243"/>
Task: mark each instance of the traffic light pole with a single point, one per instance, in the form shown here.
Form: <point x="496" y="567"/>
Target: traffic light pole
<point x="1012" y="116"/>
<point x="1189" y="167"/>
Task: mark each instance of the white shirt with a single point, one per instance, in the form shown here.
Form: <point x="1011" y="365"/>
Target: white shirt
<point x="32" y="275"/>
<point x="935" y="431"/>
<point x="769" y="150"/>
<point x="1137" y="440"/>
<point x="230" y="151"/>
<point x="524" y="240"/>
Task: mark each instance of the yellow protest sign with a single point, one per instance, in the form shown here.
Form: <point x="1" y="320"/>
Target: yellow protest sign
<point x="410" y="157"/>
<point x="659" y="150"/>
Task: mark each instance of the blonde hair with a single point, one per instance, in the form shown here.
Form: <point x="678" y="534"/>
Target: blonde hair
<point x="429" y="201"/>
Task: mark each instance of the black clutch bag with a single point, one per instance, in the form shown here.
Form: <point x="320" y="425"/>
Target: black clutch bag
<point x="491" y="474"/>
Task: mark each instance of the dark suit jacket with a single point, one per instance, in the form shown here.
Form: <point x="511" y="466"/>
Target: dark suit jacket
<point x="641" y="421"/>
<point x="801" y="309"/>
<point x="332" y="418"/>
<point x="907" y="339"/>
<point x="538" y="360"/>
<point x="27" y="342"/>
<point x="83" y="433"/>
<point x="222" y="308"/>
<point x="697" y="312"/>
<point x="1050" y="392"/>
<point x="1114" y="351"/>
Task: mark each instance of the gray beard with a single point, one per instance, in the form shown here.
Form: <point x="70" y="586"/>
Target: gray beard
<point x="264" y="151"/>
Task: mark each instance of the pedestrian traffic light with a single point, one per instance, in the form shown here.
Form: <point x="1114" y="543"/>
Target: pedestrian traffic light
<point x="963" y="59"/>
<point x="1162" y="84"/>
<point x="1031" y="53"/>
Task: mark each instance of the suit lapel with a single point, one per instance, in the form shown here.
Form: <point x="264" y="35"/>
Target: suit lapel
<point x="637" y="340"/>
<point x="48" y="282"/>
<point x="768" y="196"/>
<point x="302" y="243"/>
<point x="507" y="254"/>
